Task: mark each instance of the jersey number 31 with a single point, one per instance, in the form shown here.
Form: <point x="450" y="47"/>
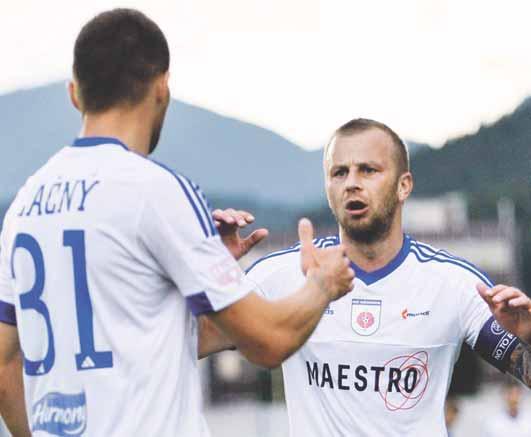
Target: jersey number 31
<point x="88" y="358"/>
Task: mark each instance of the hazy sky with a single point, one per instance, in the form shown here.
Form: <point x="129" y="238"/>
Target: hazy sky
<point x="431" y="69"/>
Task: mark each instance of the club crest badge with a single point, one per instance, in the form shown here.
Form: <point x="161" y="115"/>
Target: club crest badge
<point x="366" y="316"/>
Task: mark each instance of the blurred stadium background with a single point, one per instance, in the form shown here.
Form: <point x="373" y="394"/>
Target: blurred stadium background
<point x="472" y="198"/>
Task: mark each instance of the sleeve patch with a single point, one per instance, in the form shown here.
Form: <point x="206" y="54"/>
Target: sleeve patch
<point x="495" y="344"/>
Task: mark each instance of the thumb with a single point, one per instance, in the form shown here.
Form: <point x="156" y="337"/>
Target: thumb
<point x="307" y="247"/>
<point x="483" y="292"/>
<point x="253" y="239"/>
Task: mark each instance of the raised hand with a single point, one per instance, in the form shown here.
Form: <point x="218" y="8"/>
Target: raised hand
<point x="330" y="267"/>
<point x="229" y="222"/>
<point x="511" y="308"/>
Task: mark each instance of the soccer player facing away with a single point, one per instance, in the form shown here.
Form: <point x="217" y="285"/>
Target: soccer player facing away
<point x="106" y="257"/>
<point x="381" y="359"/>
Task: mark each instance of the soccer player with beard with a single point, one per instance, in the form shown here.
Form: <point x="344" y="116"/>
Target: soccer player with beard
<point x="106" y="257"/>
<point x="381" y="359"/>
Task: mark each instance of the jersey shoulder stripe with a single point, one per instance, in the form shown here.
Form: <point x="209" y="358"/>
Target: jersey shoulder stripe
<point x="425" y="253"/>
<point x="318" y="242"/>
<point x="195" y="198"/>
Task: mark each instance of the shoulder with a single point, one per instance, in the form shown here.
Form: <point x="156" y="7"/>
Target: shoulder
<point x="173" y="194"/>
<point x="448" y="264"/>
<point x="288" y="257"/>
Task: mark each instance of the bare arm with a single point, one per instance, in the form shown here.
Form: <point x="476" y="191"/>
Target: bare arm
<point x="520" y="364"/>
<point x="211" y="338"/>
<point x="12" y="405"/>
<point x="267" y="333"/>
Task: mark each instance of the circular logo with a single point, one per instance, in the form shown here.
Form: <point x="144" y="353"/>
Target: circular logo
<point x="365" y="320"/>
<point x="495" y="328"/>
<point x="410" y="379"/>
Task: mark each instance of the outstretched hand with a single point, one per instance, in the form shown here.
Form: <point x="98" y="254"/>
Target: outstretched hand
<point x="510" y="307"/>
<point x="229" y="222"/>
<point x="330" y="267"/>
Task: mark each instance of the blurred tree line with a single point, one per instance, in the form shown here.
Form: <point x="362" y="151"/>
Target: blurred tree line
<point x="491" y="164"/>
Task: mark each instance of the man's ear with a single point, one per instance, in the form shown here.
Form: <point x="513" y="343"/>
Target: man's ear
<point x="161" y="87"/>
<point x="405" y="186"/>
<point x="72" y="92"/>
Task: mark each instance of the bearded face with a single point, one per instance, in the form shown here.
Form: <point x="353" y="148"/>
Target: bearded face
<point x="362" y="184"/>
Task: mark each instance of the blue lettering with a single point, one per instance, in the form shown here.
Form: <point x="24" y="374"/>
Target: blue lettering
<point x="85" y="193"/>
<point x="37" y="200"/>
<point x="47" y="209"/>
<point x="67" y="195"/>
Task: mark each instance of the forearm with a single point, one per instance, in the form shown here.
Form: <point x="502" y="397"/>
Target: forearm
<point x="211" y="338"/>
<point x="12" y="405"/>
<point x="520" y="364"/>
<point x="267" y="333"/>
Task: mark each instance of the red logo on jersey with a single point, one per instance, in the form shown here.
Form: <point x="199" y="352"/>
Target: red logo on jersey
<point x="365" y="319"/>
<point x="404" y="313"/>
<point x="226" y="272"/>
<point x="410" y="378"/>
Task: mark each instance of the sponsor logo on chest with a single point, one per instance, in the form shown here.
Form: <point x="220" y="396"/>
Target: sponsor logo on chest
<point x="366" y="316"/>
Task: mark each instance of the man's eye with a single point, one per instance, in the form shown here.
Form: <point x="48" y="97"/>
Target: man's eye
<point x="369" y="170"/>
<point x="340" y="172"/>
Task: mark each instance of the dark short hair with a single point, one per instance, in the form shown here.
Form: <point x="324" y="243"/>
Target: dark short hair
<point x="116" y="56"/>
<point x="363" y="124"/>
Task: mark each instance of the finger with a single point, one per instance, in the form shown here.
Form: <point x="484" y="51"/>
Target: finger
<point x="483" y="291"/>
<point x="253" y="239"/>
<point x="240" y="219"/>
<point x="521" y="302"/>
<point x="237" y="217"/>
<point x="247" y="216"/>
<point x="223" y="216"/>
<point x="505" y="295"/>
<point x="496" y="289"/>
<point x="307" y="248"/>
<point x="217" y="223"/>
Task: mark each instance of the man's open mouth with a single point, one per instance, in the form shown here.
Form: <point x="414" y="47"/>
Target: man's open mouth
<point x="356" y="207"/>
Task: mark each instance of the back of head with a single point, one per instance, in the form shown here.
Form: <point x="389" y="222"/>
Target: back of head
<point x="116" y="56"/>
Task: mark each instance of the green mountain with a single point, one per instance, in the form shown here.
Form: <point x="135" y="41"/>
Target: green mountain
<point x="494" y="160"/>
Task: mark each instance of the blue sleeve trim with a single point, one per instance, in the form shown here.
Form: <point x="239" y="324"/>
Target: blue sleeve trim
<point x="199" y="304"/>
<point x="318" y="242"/>
<point x="7" y="313"/>
<point x="495" y="345"/>
<point x="192" y="202"/>
<point x="425" y="253"/>
<point x="203" y="203"/>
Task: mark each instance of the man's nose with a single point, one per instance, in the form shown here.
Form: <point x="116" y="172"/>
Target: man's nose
<point x="353" y="181"/>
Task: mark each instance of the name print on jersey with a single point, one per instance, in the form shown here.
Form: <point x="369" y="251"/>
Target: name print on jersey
<point x="63" y="415"/>
<point x="59" y="197"/>
<point x="401" y="382"/>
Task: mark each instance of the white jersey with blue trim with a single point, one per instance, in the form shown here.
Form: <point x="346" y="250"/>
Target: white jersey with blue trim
<point x="379" y="363"/>
<point x="106" y="257"/>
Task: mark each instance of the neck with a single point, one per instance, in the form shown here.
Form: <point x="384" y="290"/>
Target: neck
<point x="129" y="126"/>
<point x="378" y="254"/>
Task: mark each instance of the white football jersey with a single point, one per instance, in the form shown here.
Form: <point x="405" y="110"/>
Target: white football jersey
<point x="380" y="361"/>
<point x="106" y="257"/>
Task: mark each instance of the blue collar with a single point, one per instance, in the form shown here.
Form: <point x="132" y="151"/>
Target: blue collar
<point x="97" y="141"/>
<point x="372" y="277"/>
